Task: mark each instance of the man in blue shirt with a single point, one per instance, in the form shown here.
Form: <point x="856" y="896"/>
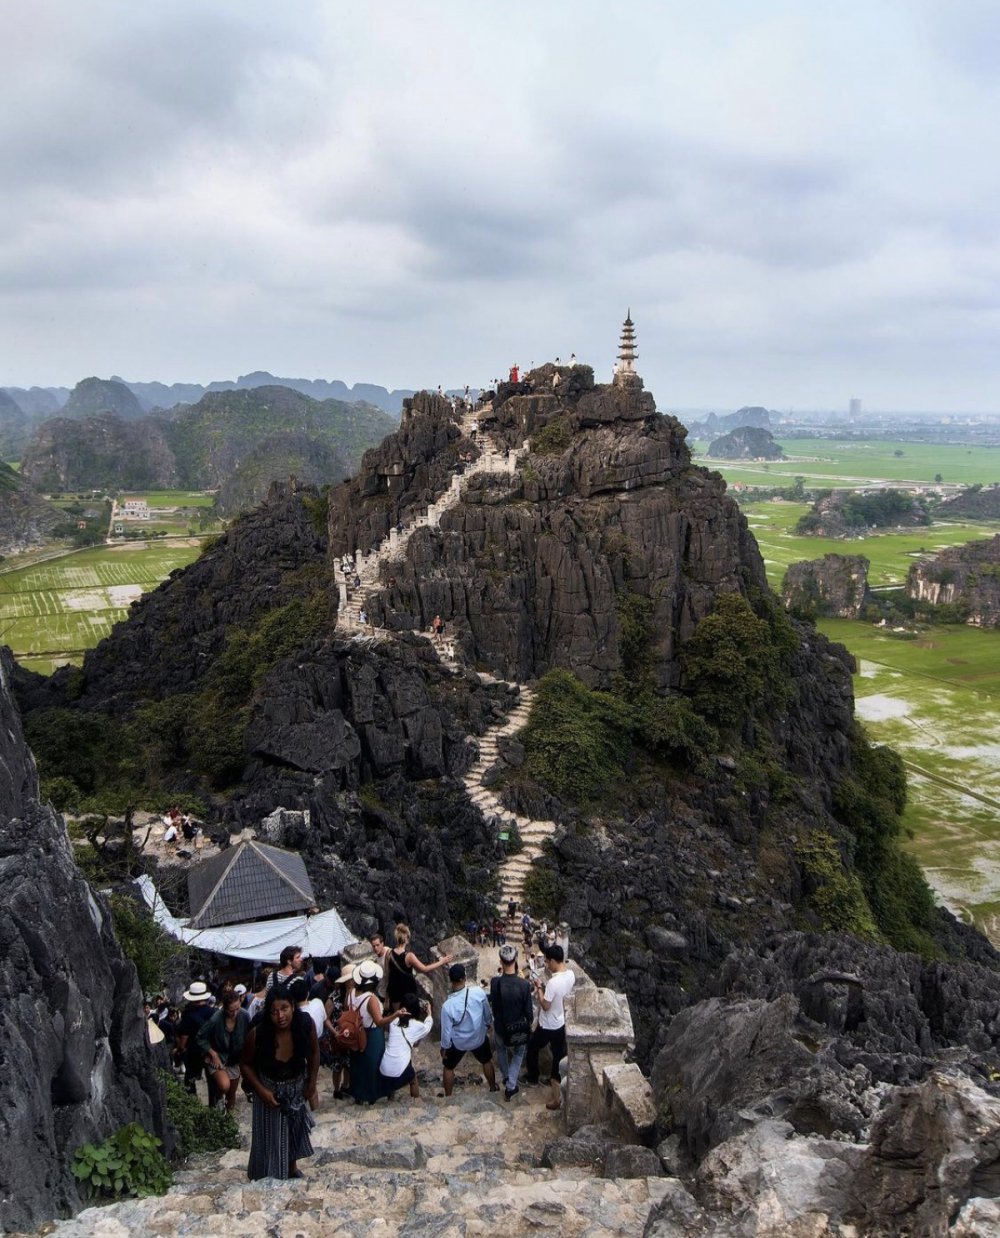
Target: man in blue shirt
<point x="466" y="1019"/>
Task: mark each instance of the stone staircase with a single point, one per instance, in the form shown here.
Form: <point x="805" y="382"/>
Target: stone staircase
<point x="515" y="868"/>
<point x="470" y="1164"/>
<point x="391" y="548"/>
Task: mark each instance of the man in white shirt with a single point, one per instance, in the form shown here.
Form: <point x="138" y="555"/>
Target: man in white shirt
<point x="551" y="1029"/>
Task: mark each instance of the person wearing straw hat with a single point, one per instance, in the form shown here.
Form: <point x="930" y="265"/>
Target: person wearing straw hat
<point x="196" y="1014"/>
<point x="365" y="1081"/>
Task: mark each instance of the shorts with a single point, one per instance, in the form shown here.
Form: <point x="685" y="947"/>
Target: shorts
<point x="482" y="1053"/>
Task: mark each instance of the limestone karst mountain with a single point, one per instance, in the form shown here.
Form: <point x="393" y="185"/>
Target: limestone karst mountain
<point x="99" y="451"/>
<point x="238" y="440"/>
<point x="91" y="396"/>
<point x="964" y="578"/>
<point x="720" y="831"/>
<point x="746" y="443"/>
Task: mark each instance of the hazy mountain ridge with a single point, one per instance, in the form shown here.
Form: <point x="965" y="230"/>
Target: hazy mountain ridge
<point x="203" y="446"/>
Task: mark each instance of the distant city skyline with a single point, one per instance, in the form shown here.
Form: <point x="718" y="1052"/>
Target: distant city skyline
<point x="796" y="201"/>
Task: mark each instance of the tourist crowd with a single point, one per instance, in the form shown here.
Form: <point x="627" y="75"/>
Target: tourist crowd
<point x="362" y="1023"/>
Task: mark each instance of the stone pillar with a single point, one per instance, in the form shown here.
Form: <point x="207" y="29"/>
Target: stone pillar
<point x="461" y="951"/>
<point x="342" y="588"/>
<point x="562" y="937"/>
<point x="394" y="539"/>
<point x="598" y="1032"/>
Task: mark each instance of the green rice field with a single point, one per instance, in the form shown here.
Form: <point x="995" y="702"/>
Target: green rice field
<point x="936" y="700"/>
<point x="890" y="552"/>
<point x="173" y="498"/>
<point x="52" y="612"/>
<point x="845" y="463"/>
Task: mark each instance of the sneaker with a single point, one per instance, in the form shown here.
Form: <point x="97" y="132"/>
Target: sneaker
<point x="508" y="1093"/>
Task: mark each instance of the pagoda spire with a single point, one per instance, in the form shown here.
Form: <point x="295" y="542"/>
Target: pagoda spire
<point x="625" y="371"/>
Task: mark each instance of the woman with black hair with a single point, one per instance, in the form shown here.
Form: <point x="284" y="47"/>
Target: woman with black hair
<point x="413" y="1023"/>
<point x="280" y="1063"/>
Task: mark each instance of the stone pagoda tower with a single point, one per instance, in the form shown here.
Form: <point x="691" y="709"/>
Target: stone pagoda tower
<point x="625" y="372"/>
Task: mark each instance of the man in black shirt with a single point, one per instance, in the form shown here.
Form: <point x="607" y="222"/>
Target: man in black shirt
<point x="196" y="1014"/>
<point x="510" y="998"/>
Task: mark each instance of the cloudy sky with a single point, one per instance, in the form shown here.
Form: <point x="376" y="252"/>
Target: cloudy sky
<point x="798" y="201"/>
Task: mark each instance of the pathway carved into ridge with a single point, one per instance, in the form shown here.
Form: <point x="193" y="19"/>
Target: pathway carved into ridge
<point x="515" y="868"/>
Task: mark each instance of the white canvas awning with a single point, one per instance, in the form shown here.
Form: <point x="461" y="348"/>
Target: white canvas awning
<point x="319" y="936"/>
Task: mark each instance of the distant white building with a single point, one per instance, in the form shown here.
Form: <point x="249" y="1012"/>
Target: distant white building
<point x="135" y="509"/>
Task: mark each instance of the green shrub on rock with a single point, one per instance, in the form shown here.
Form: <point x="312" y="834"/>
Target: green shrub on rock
<point x="834" y="894"/>
<point x="576" y="740"/>
<point x="127" y="1163"/>
<point x="198" y="1128"/>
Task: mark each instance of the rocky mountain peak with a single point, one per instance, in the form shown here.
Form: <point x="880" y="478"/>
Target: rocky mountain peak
<point x="528" y="569"/>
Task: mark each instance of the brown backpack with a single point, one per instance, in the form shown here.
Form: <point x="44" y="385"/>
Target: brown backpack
<point x="351" y="1033"/>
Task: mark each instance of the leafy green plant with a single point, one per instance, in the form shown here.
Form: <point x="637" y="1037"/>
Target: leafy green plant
<point x="129" y="1162"/>
<point x="541" y="892"/>
<point x="576" y="739"/>
<point x="552" y="439"/>
<point x="834" y="894"/>
<point x="870" y="802"/>
<point x="735" y="660"/>
<point x="143" y="941"/>
<point x="198" y="1128"/>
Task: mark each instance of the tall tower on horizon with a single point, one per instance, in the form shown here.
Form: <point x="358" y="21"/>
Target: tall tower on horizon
<point x="625" y="371"/>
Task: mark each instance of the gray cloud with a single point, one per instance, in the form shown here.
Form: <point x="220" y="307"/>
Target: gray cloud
<point x="797" y="202"/>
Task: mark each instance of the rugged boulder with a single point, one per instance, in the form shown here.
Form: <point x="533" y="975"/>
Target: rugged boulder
<point x="966" y="578"/>
<point x="74" y="1059"/>
<point x="977" y="502"/>
<point x="836" y="585"/>
<point x="265" y="559"/>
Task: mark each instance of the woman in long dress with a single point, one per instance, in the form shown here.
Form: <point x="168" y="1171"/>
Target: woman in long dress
<point x="280" y="1063"/>
<point x="365" y="1081"/>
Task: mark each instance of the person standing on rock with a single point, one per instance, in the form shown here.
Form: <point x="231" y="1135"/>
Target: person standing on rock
<point x="365" y="1083"/>
<point x="510" y="1001"/>
<point x="340" y="1059"/>
<point x="280" y="1063"/>
<point x="221" y="1041"/>
<point x="466" y="1019"/>
<point x="401" y="966"/>
<point x="196" y="1014"/>
<point x="551" y="1029"/>
<point x="413" y="1023"/>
